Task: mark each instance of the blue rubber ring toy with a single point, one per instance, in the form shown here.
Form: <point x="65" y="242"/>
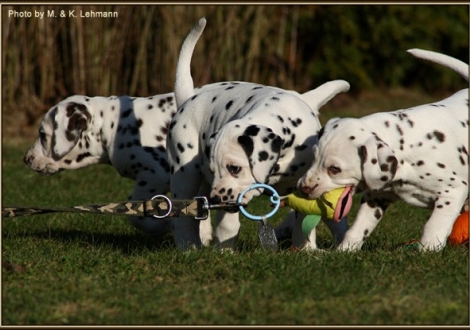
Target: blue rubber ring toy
<point x="275" y="199"/>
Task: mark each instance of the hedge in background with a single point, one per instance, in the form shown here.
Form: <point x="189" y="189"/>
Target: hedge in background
<point x="295" y="47"/>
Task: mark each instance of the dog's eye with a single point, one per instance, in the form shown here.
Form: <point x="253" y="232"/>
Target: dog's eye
<point x="332" y="170"/>
<point x="233" y="169"/>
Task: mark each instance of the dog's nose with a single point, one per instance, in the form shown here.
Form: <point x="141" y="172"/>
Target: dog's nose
<point x="26" y="159"/>
<point x="215" y="200"/>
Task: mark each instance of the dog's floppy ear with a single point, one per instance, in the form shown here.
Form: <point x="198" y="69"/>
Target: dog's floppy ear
<point x="262" y="147"/>
<point x="76" y="118"/>
<point x="379" y="163"/>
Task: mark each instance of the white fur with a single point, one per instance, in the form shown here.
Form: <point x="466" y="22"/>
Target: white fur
<point x="128" y="133"/>
<point x="419" y="155"/>
<point x="265" y="132"/>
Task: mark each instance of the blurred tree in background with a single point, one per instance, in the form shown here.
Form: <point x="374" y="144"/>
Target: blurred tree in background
<point x="294" y="47"/>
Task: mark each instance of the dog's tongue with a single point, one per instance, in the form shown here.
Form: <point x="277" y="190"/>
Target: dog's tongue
<point x="344" y="204"/>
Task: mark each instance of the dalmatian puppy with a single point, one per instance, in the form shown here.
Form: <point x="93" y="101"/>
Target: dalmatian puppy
<point x="419" y="155"/>
<point x="224" y="140"/>
<point x="128" y="133"/>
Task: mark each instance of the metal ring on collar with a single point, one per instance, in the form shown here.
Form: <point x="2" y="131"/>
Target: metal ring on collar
<point x="275" y="199"/>
<point x="168" y="202"/>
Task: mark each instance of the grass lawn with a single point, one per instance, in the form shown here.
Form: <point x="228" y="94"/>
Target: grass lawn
<point x="81" y="269"/>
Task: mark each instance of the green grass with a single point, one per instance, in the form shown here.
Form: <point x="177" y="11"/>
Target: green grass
<point x="80" y="269"/>
<point x="69" y="268"/>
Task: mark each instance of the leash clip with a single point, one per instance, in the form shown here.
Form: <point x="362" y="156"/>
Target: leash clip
<point x="203" y="205"/>
<point x="202" y="208"/>
<point x="231" y="207"/>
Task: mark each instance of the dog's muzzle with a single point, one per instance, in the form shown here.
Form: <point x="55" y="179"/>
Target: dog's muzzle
<point x="33" y="164"/>
<point x="307" y="190"/>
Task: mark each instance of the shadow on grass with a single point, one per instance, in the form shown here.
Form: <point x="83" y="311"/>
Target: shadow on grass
<point x="135" y="243"/>
<point x="126" y="244"/>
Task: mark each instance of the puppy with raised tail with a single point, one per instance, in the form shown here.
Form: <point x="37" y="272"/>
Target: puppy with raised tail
<point x="222" y="141"/>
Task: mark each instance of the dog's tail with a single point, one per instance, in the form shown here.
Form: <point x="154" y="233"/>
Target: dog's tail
<point x="184" y="85"/>
<point x="321" y="95"/>
<point x="452" y="63"/>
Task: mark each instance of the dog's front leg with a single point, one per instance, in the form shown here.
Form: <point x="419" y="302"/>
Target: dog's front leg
<point x="205" y="226"/>
<point x="368" y="216"/>
<point x="226" y="230"/>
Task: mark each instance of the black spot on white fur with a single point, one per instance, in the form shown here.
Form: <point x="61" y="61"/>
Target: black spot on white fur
<point x="247" y="144"/>
<point x="439" y="136"/>
<point x="276" y="144"/>
<point x="252" y="130"/>
<point x="262" y="156"/>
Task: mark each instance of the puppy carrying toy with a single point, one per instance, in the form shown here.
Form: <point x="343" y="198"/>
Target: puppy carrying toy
<point x="418" y="155"/>
<point x="333" y="205"/>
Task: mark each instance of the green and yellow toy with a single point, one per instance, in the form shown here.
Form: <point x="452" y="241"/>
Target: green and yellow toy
<point x="333" y="205"/>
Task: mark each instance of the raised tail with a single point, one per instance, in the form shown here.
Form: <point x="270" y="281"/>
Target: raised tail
<point x="452" y="63"/>
<point x="184" y="85"/>
<point x="321" y="95"/>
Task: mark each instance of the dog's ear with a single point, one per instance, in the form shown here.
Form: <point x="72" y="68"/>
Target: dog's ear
<point x="379" y="163"/>
<point x="75" y="118"/>
<point x="262" y="147"/>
